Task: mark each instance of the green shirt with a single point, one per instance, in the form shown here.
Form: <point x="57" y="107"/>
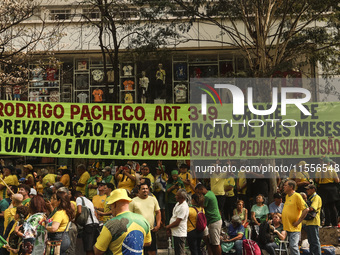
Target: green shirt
<point x="26" y="201"/>
<point x="3" y="206"/>
<point x="261" y="212"/>
<point x="171" y="195"/>
<point x="211" y="207"/>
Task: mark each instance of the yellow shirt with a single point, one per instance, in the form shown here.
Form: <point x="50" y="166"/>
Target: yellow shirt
<point x="327" y="176"/>
<point x="9" y="180"/>
<point x="292" y="211"/>
<point x="119" y="234"/>
<point x="241" y="181"/>
<point x="107" y="208"/>
<point x="230" y="182"/>
<point x="39" y="187"/>
<point x="187" y="176"/>
<point x="15" y="178"/>
<point x="61" y="217"/>
<point x="218" y="183"/>
<point x="83" y="180"/>
<point x="49" y="178"/>
<point x="316" y="205"/>
<point x="9" y="214"/>
<point x="99" y="202"/>
<point x="28" y="177"/>
<point x="192" y="218"/>
<point x="126" y="183"/>
<point x="65" y="179"/>
<point x="302" y="176"/>
<point x="145" y="207"/>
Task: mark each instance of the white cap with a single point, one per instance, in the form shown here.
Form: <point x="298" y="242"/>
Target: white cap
<point x="33" y="192"/>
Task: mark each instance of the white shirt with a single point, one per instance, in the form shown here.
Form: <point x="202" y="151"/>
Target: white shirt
<point x="82" y="98"/>
<point x="89" y="205"/>
<point x="180" y="211"/>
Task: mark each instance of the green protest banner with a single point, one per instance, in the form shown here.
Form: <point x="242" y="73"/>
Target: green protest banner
<point x="94" y="130"/>
<point x="220" y="134"/>
<point x="166" y="131"/>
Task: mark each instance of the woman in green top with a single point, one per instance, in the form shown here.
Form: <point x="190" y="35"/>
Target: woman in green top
<point x="91" y="185"/>
<point x="173" y="185"/>
<point x="279" y="234"/>
<point x="259" y="211"/>
<point x="241" y="212"/>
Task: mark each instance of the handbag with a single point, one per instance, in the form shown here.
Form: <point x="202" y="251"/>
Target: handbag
<point x="53" y="246"/>
<point x="227" y="246"/>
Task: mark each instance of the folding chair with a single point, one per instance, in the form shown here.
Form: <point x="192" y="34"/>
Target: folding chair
<point x="283" y="247"/>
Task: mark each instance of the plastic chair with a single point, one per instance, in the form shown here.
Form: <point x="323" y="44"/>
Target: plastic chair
<point x="283" y="247"/>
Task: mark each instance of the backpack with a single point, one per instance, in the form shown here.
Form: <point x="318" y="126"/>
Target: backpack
<point x="201" y="220"/>
<point x="311" y="214"/>
<point x="84" y="215"/>
<point x="250" y="247"/>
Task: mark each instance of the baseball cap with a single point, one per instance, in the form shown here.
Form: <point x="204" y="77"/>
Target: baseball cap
<point x="310" y="186"/>
<point x="107" y="169"/>
<point x="29" y="166"/>
<point x="33" y="192"/>
<point x="118" y="194"/>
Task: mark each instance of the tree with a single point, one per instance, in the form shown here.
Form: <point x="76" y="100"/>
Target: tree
<point x="20" y="40"/>
<point x="273" y="34"/>
<point x="127" y="25"/>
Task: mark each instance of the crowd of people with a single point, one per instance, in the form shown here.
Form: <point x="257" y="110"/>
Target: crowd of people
<point x="122" y="210"/>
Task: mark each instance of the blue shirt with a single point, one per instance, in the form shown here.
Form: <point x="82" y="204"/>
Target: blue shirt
<point x="233" y="232"/>
<point x="273" y="208"/>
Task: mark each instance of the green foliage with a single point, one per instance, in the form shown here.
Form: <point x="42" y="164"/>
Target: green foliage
<point x="277" y="32"/>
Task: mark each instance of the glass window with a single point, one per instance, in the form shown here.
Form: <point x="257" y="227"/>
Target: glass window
<point x="60" y="14"/>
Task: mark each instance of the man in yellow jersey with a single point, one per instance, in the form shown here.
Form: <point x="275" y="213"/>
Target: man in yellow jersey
<point x="106" y="212"/>
<point x="84" y="176"/>
<point x="294" y="211"/>
<point x="48" y="179"/>
<point x="127" y="232"/>
<point x="99" y="200"/>
<point x="185" y="176"/>
<point x="146" y="174"/>
<point x="311" y="225"/>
